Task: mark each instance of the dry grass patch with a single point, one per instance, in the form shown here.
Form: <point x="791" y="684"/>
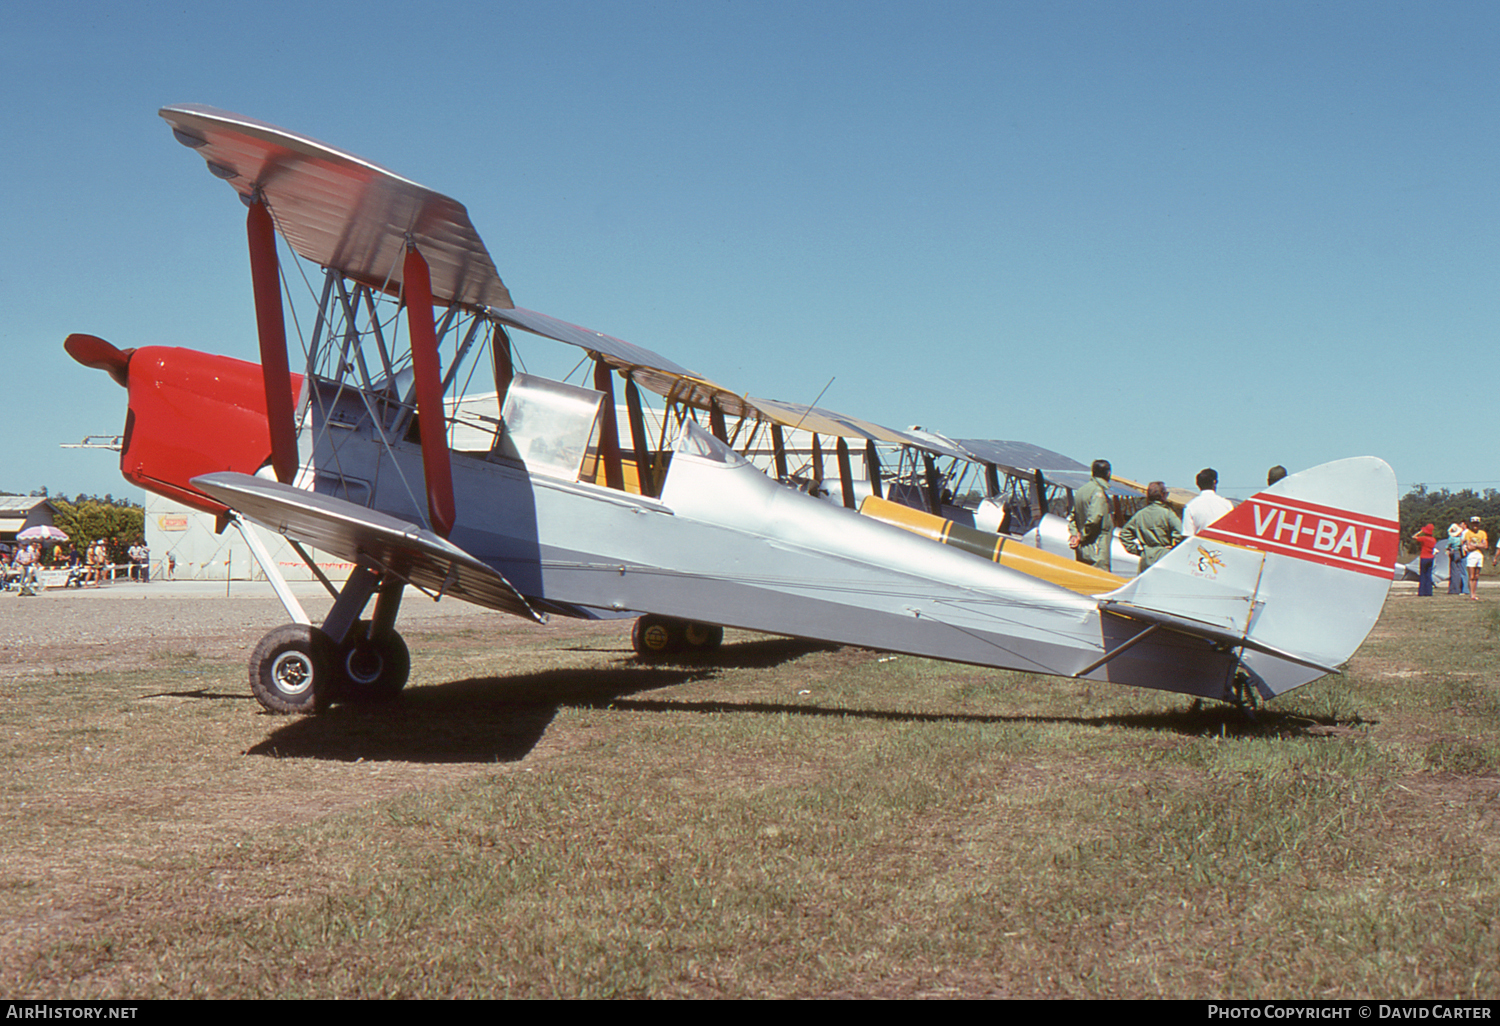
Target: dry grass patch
<point x="542" y="816"/>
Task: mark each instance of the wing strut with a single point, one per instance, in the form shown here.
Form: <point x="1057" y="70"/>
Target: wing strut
<point x="639" y="440"/>
<point x="609" y="429"/>
<point x="872" y="469"/>
<point x="778" y="447"/>
<point x="436" y="465"/>
<point x="716" y="420"/>
<point x="934" y="484"/>
<point x="265" y="272"/>
<point x="846" y="473"/>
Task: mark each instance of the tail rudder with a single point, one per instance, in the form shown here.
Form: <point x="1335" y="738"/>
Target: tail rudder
<point x="1299" y="571"/>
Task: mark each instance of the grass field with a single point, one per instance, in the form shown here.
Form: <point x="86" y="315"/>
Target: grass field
<point x="542" y="816"/>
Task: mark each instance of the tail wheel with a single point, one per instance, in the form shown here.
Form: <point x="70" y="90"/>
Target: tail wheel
<point x="373" y="668"/>
<point x="291" y="670"/>
<point x="655" y="637"/>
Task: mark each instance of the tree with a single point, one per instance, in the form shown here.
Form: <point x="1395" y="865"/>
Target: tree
<point x="118" y="521"/>
<point x="1441" y="508"/>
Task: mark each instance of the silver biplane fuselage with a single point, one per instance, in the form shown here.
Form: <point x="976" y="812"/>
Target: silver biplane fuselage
<point x="725" y="544"/>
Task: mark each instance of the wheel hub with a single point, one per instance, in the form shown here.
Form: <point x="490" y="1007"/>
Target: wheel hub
<point x="293" y="672"/>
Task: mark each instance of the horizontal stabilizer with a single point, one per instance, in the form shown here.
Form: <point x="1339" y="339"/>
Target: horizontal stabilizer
<point x="1198" y="628"/>
<point x="367" y="537"/>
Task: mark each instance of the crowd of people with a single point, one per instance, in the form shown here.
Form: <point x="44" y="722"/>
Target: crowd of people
<point x="1463" y="549"/>
<point x="1155" y="529"/>
<point x="89" y="568"/>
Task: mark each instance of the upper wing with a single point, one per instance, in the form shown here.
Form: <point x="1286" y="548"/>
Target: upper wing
<point x="652" y="370"/>
<point x="1021" y="457"/>
<point x="362" y="535"/>
<point x="342" y="211"/>
<point x="1025" y="459"/>
<point x="678" y="384"/>
<point x="838" y="425"/>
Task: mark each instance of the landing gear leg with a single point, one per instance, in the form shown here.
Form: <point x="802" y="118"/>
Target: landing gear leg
<point x="374" y="662"/>
<point x="299" y="668"/>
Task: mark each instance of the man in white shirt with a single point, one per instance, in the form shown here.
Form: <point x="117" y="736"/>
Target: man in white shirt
<point x="26" y="560"/>
<point x="1207" y="507"/>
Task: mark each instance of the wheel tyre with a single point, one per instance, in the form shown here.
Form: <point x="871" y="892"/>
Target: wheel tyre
<point x="373" y="669"/>
<point x="656" y="637"/>
<point x="702" y="637"/>
<point x="291" y="670"/>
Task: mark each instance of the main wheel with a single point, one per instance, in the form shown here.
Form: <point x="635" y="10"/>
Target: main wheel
<point x="291" y="670"/>
<point x="656" y="637"/>
<point x="373" y="668"/>
<point x="702" y="637"/>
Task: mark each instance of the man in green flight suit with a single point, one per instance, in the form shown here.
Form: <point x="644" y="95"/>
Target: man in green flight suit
<point x="1153" y="531"/>
<point x="1091" y="526"/>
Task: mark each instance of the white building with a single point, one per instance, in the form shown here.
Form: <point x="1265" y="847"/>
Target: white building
<point x="18" y="512"/>
<point x="184" y="547"/>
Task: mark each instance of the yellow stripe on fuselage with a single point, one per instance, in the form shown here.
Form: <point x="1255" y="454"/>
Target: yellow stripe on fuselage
<point x="1058" y="570"/>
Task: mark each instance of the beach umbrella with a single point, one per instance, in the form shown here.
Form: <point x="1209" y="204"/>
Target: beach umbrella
<point x="42" y="532"/>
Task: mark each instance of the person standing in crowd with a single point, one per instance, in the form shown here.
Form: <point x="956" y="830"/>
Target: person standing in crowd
<point x="26" y="561"/>
<point x="96" y="560"/>
<point x="1091" y="525"/>
<point x="1458" y="575"/>
<point x="1207" y="506"/>
<point x="140" y="557"/>
<point x="1475" y="542"/>
<point x="1154" y="529"/>
<point x="1426" y="543"/>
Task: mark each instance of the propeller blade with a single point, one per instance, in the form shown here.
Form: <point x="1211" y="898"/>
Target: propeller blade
<point x="92" y="351"/>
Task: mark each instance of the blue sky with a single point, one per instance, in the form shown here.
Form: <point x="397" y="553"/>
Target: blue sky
<point x="1170" y="234"/>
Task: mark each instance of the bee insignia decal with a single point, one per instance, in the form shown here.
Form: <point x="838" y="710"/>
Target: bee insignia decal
<point x="1209" y="561"/>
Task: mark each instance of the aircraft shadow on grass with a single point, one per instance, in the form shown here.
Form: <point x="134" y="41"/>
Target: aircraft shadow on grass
<point x="479" y="719"/>
<point x="501" y="719"/>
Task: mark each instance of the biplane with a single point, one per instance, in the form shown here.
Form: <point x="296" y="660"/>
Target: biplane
<point x="413" y="442"/>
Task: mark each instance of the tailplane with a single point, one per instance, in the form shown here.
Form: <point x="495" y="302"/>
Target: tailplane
<point x="1294" y="577"/>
